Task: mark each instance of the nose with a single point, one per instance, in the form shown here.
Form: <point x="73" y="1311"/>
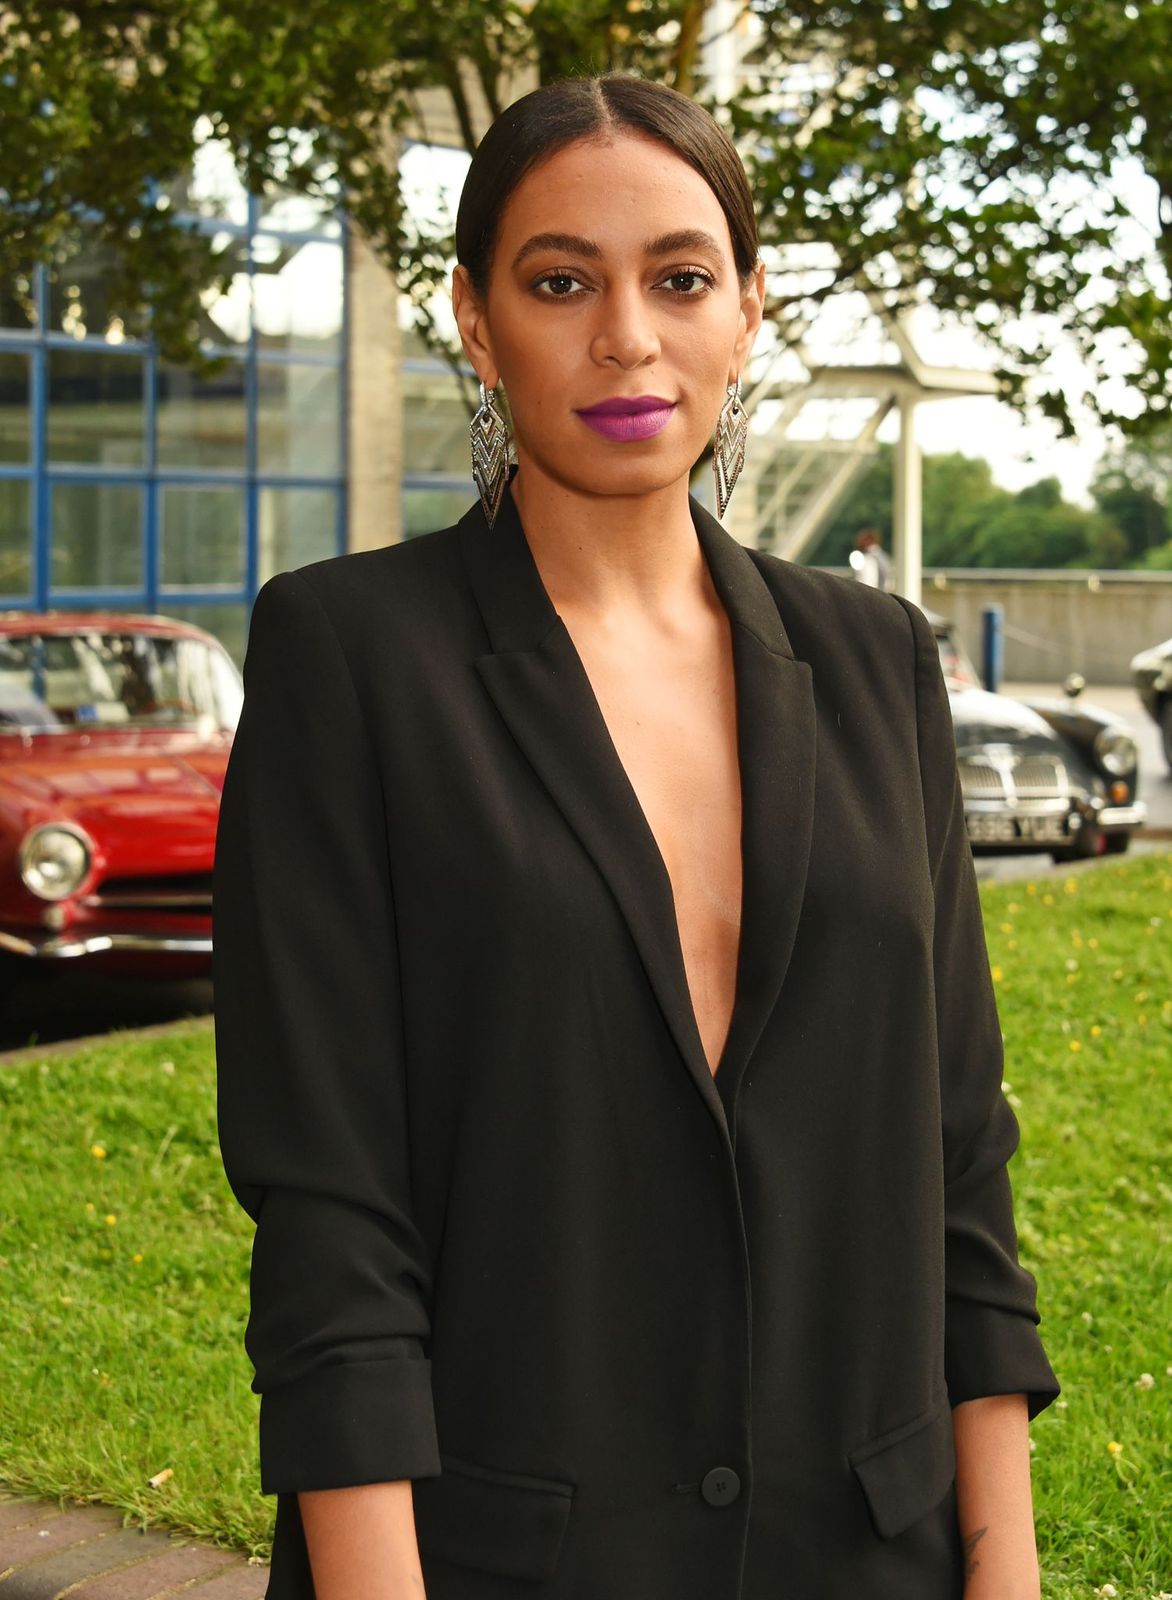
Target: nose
<point x="625" y="334"/>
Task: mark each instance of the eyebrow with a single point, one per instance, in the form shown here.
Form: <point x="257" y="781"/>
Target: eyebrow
<point x="574" y="244"/>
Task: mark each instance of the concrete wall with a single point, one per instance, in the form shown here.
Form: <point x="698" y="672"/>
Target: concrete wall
<point x="375" y="451"/>
<point x="1057" y="622"/>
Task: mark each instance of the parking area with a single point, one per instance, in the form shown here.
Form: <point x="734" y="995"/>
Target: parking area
<point x="44" y="1006"/>
<point x="1155" y="786"/>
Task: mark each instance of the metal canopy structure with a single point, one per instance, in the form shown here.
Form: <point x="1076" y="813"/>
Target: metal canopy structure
<point x="800" y="473"/>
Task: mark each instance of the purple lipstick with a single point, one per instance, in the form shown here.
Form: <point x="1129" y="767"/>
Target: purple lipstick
<point x="625" y="420"/>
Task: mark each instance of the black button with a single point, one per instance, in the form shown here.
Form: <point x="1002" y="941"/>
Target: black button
<point x="721" y="1486"/>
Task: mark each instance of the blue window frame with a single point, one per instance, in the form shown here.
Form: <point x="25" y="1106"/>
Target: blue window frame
<point x="127" y="483"/>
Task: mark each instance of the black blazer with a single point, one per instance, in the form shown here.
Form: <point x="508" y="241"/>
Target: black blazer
<point x="668" y="1336"/>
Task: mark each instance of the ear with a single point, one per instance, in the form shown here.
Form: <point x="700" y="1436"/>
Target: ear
<point x="472" y="321"/>
<point x="751" y="314"/>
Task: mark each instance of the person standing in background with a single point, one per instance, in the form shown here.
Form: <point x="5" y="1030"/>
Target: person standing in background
<point x="871" y="564"/>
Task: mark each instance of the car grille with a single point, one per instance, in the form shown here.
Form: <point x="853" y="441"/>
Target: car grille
<point x="1030" y="778"/>
<point x="191" y="891"/>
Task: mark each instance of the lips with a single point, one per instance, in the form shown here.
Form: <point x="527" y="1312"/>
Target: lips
<point x="622" y="405"/>
<point x="625" y="419"/>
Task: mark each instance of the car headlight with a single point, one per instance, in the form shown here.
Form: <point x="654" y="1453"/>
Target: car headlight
<point x="1115" y="751"/>
<point x="54" y="861"/>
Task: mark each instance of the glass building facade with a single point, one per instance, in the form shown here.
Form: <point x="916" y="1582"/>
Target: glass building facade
<point x="130" y="484"/>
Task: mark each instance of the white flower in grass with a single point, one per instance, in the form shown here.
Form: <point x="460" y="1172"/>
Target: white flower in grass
<point x="1107" y="1592"/>
<point x="1145" y="1381"/>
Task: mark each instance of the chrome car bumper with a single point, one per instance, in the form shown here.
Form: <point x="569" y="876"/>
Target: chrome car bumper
<point x="1112" y="818"/>
<point x="64" y="947"/>
<point x="1044" y="823"/>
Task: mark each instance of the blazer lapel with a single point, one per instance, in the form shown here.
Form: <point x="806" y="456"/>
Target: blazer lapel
<point x="776" y="738"/>
<point x="542" y="691"/>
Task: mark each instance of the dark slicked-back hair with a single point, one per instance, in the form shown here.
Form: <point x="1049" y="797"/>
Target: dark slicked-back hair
<point x="544" y="121"/>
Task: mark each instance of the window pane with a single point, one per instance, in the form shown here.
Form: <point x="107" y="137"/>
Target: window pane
<point x="16" y="537"/>
<point x="298" y="297"/>
<point x="79" y="292"/>
<point x="297" y="424"/>
<point x="284" y="210"/>
<point x="203" y="537"/>
<point x="227" y="318"/>
<point x="212" y="188"/>
<point x="435" y="423"/>
<point x="15" y="415"/>
<point x="201" y="422"/>
<point x="227" y="621"/>
<point x="427" y="509"/>
<point x="18" y="304"/>
<point x="295" y="526"/>
<point x="96" y="408"/>
<point x="97" y="536"/>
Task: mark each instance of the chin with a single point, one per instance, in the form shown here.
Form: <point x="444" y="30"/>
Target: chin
<point x="654" y="472"/>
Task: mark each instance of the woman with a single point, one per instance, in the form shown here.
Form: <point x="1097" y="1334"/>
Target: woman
<point x="607" y="1047"/>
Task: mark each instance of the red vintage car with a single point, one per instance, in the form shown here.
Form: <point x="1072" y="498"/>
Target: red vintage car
<point x="114" y="736"/>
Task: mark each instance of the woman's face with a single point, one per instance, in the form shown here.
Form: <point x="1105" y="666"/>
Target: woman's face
<point x="613" y="282"/>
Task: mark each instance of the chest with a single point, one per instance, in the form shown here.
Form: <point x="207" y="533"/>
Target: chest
<point x="671" y="716"/>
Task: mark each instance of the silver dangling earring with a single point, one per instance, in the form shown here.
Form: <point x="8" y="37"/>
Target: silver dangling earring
<point x="490" y="454"/>
<point x="728" y="450"/>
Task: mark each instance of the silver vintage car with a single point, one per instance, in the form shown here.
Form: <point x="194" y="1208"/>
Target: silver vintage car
<point x="1045" y="774"/>
<point x="1151" y="672"/>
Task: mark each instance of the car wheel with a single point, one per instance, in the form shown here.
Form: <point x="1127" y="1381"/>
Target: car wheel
<point x="1166" y="730"/>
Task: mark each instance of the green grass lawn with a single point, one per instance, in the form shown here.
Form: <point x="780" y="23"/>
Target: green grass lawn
<point x="124" y="1259"/>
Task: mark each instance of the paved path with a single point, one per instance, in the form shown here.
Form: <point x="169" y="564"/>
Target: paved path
<point x="90" y="1552"/>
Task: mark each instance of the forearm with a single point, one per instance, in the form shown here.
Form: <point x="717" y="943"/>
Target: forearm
<point x="361" y="1541"/>
<point x="994" y="1500"/>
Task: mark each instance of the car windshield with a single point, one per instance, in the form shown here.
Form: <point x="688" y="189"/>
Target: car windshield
<point x="110" y="679"/>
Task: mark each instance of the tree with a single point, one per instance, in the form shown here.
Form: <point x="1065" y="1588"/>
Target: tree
<point x="1038" y="529"/>
<point x="1131" y="488"/>
<point x="958" y="150"/>
<point x="969" y="521"/>
<point x="959" y="496"/>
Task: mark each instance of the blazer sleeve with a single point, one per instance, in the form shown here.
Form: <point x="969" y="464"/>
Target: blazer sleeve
<point x="311" y="1093"/>
<point x="992" y="1344"/>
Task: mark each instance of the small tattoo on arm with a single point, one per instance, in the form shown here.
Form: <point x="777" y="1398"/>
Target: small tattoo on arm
<point x="970" y="1561"/>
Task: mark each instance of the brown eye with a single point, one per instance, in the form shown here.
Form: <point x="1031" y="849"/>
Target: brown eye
<point x="689" y="282"/>
<point x="559" y="284"/>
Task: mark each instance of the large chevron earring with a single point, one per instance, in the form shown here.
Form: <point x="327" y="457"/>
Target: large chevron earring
<point x="728" y="450"/>
<point x="490" y="454"/>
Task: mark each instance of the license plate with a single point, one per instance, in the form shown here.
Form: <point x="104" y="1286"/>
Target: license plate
<point x="1000" y="829"/>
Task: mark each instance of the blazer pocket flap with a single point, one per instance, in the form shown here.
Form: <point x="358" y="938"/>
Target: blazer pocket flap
<point x="907" y="1471"/>
<point x="503" y="1522"/>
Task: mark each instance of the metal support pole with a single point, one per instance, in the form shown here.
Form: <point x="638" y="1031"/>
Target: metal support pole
<point x="908" y="506"/>
<point x="992" y="646"/>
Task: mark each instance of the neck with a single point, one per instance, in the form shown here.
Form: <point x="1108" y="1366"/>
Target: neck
<point x="606" y="555"/>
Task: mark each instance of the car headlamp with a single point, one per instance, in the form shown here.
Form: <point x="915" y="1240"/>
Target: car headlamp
<point x="54" y="861"/>
<point x="1115" y="752"/>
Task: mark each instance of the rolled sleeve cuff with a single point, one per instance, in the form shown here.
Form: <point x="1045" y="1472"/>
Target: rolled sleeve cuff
<point x="351" y="1423"/>
<point x="991" y="1351"/>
